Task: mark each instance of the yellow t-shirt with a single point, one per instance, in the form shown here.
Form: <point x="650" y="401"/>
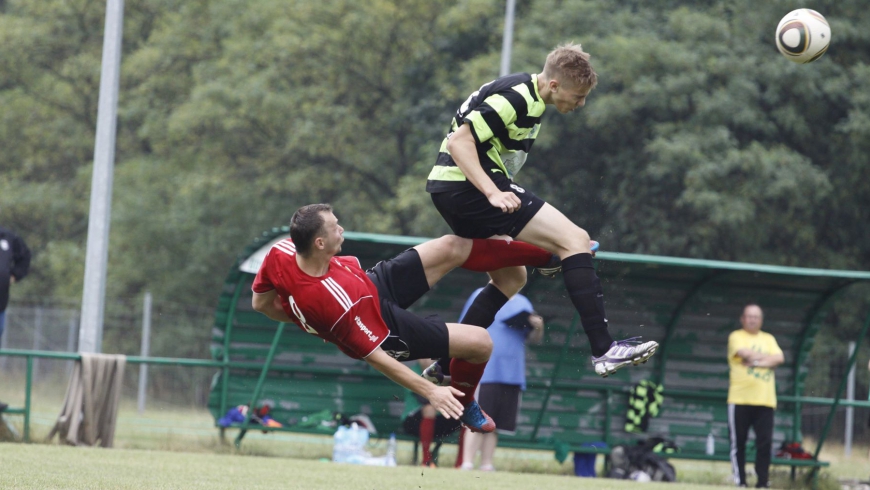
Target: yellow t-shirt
<point x="751" y="385"/>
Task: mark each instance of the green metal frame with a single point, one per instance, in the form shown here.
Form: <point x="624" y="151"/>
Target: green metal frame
<point x="811" y="327"/>
<point x="608" y="390"/>
<point x="571" y="329"/>
<point x="837" y="399"/>
<point x="259" y="388"/>
<point x="715" y="270"/>
<point x="675" y="318"/>
<point x="227" y="333"/>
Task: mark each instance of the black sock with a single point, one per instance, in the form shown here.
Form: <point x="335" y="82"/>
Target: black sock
<point x="483" y="309"/>
<point x="481" y="312"/>
<point x="584" y="288"/>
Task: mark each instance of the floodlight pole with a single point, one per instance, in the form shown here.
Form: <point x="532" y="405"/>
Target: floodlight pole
<point x="507" y="38"/>
<point x="96" y="257"/>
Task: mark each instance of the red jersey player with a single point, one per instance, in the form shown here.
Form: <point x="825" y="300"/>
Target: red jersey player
<point x="364" y="313"/>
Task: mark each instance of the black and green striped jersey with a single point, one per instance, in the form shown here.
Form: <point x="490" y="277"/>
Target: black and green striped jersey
<point x="504" y="116"/>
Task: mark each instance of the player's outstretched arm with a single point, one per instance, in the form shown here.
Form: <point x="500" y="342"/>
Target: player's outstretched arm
<point x="269" y="304"/>
<point x="442" y="398"/>
<point x="464" y="152"/>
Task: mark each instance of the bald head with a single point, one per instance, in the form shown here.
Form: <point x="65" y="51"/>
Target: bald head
<point x="752" y="318"/>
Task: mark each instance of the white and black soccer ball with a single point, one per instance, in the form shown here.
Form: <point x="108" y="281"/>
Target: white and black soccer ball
<point x="803" y="35"/>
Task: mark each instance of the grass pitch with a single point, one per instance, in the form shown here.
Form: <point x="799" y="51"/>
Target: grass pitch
<point x="176" y="447"/>
<point x="39" y="466"/>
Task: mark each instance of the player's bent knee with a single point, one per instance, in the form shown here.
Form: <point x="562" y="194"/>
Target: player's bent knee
<point x="509" y="280"/>
<point x="454" y="249"/>
<point x="482" y="347"/>
<point x="574" y="241"/>
<point x="469" y="342"/>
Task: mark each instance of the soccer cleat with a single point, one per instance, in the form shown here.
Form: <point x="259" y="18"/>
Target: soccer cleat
<point x="476" y="419"/>
<point x="622" y="353"/>
<point x="554" y="266"/>
<point x="434" y="375"/>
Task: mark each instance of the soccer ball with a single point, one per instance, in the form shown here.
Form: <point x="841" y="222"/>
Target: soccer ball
<point x="803" y="35"/>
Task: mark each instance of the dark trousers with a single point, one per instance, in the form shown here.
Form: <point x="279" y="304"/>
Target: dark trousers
<point x="740" y="419"/>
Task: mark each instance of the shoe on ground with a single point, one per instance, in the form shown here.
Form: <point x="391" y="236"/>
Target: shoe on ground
<point x="466" y="466"/>
<point x="476" y="419"/>
<point x="622" y="353"/>
<point x="554" y="266"/>
<point x="487" y="467"/>
<point x="435" y="375"/>
<point x="430" y="464"/>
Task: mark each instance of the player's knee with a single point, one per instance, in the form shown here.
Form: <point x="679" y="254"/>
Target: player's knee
<point x="482" y="347"/>
<point x="573" y="241"/>
<point x="509" y="280"/>
<point x="428" y="412"/>
<point x="454" y="249"/>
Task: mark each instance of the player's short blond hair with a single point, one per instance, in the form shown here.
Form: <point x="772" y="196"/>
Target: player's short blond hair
<point x="569" y="63"/>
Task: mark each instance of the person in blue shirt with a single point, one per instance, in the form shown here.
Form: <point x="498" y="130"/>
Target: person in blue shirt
<point x="504" y="379"/>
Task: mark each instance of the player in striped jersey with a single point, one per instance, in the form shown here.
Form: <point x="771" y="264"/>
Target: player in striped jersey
<point x="472" y="186"/>
<point x="302" y="280"/>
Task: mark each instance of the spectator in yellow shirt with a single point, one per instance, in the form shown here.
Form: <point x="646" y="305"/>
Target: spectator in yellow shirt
<point x="752" y="356"/>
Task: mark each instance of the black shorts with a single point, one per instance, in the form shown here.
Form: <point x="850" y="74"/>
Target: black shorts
<point x="501" y="402"/>
<point x="401" y="281"/>
<point x="470" y="215"/>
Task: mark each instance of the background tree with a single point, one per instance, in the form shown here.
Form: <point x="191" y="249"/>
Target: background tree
<point x="700" y="140"/>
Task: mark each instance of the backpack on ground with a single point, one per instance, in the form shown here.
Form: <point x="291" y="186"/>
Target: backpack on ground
<point x="639" y="462"/>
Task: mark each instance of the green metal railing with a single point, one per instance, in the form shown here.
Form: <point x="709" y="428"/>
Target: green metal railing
<point x="605" y="389"/>
<point x="29" y="355"/>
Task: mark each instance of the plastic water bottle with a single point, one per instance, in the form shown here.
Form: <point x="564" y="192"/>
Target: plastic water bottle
<point x="341" y="444"/>
<point x="390" y="459"/>
<point x="358" y="439"/>
<point x="711" y="444"/>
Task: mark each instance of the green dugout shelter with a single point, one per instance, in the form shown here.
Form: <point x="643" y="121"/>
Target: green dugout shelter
<point x="689" y="306"/>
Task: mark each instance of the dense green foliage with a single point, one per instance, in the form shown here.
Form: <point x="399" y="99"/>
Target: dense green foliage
<point x="700" y="140"/>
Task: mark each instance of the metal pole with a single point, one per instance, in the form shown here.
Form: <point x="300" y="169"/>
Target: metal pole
<point x="37" y="336"/>
<point x="507" y="40"/>
<point x="96" y="256"/>
<point x="3" y="342"/>
<point x="28" y="382"/>
<point x="850" y="410"/>
<point x="71" y="340"/>
<point x="252" y="406"/>
<point x="146" y="348"/>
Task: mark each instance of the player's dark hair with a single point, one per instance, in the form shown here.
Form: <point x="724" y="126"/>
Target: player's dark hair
<point x="306" y="225"/>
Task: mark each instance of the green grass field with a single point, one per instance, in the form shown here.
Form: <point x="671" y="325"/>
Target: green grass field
<point x="173" y="447"/>
<point x="37" y="466"/>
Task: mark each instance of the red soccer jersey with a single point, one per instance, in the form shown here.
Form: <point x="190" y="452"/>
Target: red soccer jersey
<point x="341" y="306"/>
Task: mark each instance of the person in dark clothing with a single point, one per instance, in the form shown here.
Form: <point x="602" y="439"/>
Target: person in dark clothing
<point x="14" y="265"/>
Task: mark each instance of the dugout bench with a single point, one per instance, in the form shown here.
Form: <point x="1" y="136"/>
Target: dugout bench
<point x="689" y="306"/>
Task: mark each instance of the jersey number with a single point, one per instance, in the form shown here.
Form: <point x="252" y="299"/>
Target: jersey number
<point x="300" y="316"/>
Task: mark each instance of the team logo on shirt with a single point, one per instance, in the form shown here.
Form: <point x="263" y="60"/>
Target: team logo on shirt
<point x="362" y="326"/>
